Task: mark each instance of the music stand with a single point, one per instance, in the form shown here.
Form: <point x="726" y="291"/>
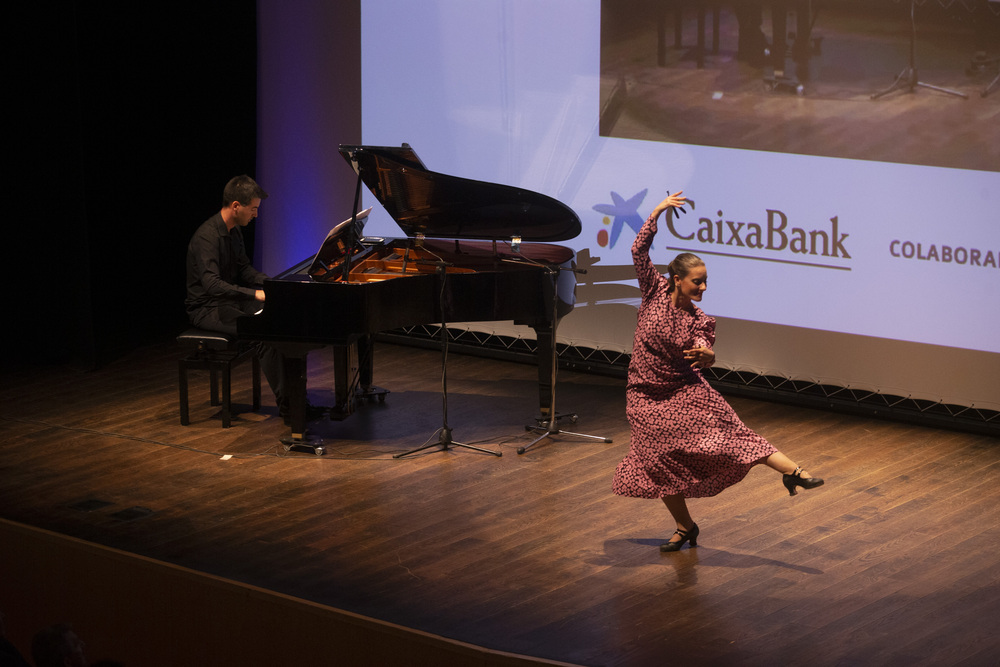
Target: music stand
<point x="980" y="63"/>
<point x="907" y="79"/>
<point x="444" y="433"/>
<point x="550" y="427"/>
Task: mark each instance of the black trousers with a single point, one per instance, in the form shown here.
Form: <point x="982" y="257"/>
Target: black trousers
<point x="223" y="319"/>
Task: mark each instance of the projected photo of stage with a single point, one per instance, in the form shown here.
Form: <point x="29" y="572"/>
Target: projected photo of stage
<point x="834" y="79"/>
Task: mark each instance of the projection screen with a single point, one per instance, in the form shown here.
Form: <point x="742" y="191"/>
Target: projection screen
<point x="848" y="239"/>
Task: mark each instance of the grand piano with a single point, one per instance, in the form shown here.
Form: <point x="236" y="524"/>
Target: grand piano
<point x="473" y="251"/>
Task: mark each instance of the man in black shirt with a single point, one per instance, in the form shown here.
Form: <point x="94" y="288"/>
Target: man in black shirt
<point x="222" y="284"/>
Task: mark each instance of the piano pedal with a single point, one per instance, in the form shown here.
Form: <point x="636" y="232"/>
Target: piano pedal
<point x="362" y="396"/>
<point x="370" y="394"/>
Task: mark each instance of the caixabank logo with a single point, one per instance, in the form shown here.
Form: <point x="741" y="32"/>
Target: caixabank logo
<point x="772" y="238"/>
<point x="618" y="214"/>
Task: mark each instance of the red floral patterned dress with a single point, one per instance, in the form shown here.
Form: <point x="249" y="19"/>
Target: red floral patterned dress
<point x="686" y="439"/>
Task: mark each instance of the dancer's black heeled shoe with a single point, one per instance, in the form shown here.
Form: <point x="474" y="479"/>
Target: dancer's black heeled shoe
<point x="796" y="479"/>
<point x="686" y="536"/>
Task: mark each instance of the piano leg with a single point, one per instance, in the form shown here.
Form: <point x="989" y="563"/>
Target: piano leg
<point x="366" y="362"/>
<point x="775" y="78"/>
<point x="295" y="382"/>
<point x="353" y="371"/>
<point x="345" y="379"/>
<point x="295" y="369"/>
<point x="545" y="335"/>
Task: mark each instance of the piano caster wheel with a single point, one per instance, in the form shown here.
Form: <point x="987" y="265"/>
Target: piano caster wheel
<point x="315" y="444"/>
<point x="318" y="451"/>
<point x="774" y="85"/>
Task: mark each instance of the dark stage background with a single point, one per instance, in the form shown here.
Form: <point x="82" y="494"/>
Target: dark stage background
<point x="128" y="120"/>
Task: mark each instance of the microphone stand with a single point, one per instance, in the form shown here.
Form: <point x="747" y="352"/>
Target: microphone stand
<point x="980" y="63"/>
<point x="444" y="433"/>
<point x="991" y="86"/>
<point x="907" y="79"/>
<point x="550" y="427"/>
<point x="352" y="237"/>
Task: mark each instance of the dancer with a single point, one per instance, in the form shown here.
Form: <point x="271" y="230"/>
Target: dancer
<point x="687" y="442"/>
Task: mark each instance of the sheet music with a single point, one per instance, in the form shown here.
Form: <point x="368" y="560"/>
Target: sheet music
<point x="339" y="230"/>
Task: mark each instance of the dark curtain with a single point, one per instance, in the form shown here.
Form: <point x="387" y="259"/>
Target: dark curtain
<point x="128" y="120"/>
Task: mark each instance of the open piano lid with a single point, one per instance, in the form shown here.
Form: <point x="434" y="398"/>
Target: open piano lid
<point x="434" y="205"/>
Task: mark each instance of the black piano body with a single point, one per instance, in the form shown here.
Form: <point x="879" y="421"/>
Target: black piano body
<point x="473" y="251"/>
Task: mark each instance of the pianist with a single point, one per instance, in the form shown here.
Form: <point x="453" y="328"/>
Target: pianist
<point x="223" y="285"/>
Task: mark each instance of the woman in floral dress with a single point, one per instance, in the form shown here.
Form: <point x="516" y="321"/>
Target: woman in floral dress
<point x="687" y="442"/>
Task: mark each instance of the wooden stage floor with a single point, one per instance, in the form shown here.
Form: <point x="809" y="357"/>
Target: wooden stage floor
<point x="893" y="562"/>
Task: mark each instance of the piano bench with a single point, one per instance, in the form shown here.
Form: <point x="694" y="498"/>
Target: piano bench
<point x="218" y="353"/>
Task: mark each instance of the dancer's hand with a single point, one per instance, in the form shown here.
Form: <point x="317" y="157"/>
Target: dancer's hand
<point x="700" y="357"/>
<point x="675" y="200"/>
